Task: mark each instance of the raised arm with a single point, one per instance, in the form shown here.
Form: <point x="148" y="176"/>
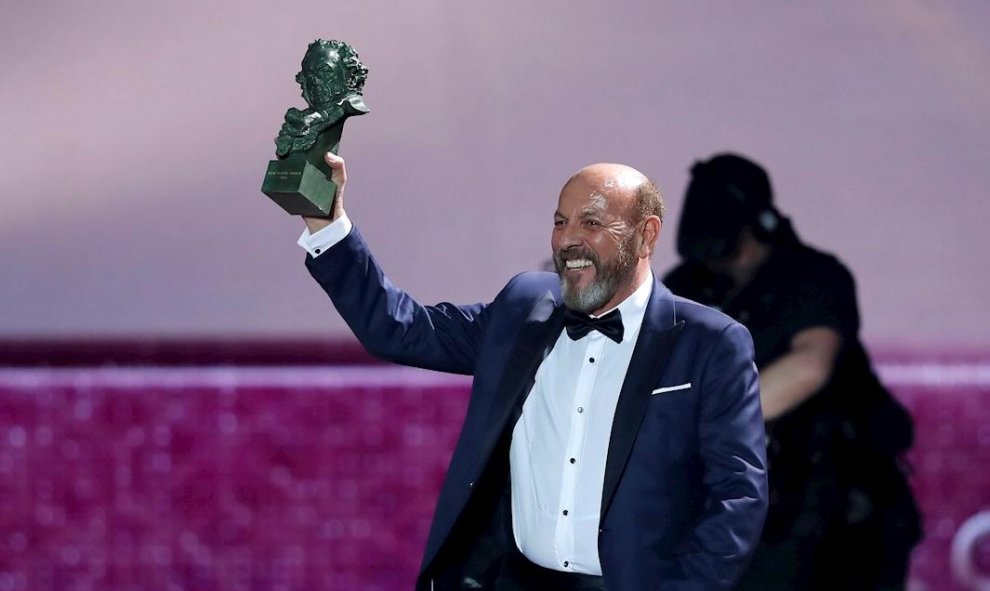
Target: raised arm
<point x="387" y="321"/>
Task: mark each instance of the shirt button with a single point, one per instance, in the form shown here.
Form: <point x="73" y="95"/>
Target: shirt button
<point x="573" y="460"/>
<point x="317" y="250"/>
<point x="580" y="409"/>
<point x="591" y="359"/>
<point x="566" y="563"/>
<point x="565" y="512"/>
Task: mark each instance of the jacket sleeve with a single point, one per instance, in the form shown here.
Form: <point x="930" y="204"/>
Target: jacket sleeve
<point x="388" y="321"/>
<point x="733" y="453"/>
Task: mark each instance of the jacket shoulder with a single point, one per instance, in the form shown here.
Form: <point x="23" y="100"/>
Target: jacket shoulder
<point x="701" y="317"/>
<point x="529" y="286"/>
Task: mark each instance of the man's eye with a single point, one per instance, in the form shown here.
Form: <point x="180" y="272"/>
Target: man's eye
<point x="558" y="222"/>
<point x="592" y="222"/>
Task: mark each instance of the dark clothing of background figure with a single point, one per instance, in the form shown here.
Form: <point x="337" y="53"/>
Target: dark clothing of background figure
<point x="841" y="514"/>
<point x="684" y="492"/>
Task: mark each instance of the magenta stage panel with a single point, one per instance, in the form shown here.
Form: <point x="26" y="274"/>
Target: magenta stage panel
<point x="224" y="478"/>
<point x="220" y="479"/>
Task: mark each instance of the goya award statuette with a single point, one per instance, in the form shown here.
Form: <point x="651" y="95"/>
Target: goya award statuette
<point x="331" y="78"/>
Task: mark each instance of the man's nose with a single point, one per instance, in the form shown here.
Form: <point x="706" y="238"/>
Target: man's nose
<point x="570" y="236"/>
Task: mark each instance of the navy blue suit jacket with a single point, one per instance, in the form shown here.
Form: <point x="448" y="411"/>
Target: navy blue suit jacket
<point x="685" y="491"/>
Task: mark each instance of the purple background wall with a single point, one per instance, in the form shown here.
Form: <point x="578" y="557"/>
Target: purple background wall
<point x="135" y="136"/>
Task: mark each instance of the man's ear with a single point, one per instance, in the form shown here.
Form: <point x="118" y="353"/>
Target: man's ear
<point x="649" y="234"/>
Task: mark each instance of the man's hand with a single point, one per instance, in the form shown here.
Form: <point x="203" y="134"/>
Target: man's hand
<point x="339" y="177"/>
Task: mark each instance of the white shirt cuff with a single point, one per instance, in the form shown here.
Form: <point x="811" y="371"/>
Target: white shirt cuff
<point x="318" y="243"/>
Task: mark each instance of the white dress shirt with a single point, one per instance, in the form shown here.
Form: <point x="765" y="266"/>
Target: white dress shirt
<point x="316" y="244"/>
<point x="560" y="442"/>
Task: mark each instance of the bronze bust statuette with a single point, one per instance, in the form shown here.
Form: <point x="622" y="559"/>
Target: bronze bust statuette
<point x="331" y="79"/>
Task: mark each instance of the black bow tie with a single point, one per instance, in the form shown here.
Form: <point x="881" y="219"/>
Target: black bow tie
<point x="579" y="324"/>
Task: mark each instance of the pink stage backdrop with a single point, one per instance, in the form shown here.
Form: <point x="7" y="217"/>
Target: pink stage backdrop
<point x="306" y="478"/>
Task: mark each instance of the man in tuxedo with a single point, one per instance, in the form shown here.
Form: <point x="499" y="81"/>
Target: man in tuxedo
<point x="613" y="438"/>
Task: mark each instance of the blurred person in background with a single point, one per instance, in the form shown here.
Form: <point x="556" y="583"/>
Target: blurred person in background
<point x="841" y="513"/>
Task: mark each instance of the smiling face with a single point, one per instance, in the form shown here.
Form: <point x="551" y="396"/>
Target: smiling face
<point x="321" y="78"/>
<point x="601" y="251"/>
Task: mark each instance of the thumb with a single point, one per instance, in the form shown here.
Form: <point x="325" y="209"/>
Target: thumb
<point x="338" y="174"/>
<point x="336" y="164"/>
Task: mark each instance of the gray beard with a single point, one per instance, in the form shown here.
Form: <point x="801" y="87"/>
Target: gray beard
<point x="590" y="298"/>
<point x="608" y="278"/>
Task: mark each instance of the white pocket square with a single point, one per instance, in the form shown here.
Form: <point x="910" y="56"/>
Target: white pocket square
<point x="670" y="389"/>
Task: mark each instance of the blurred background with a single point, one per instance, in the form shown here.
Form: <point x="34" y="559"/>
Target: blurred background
<point x="180" y="407"/>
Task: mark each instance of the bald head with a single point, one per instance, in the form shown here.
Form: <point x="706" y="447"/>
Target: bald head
<point x="633" y="190"/>
<point x="610" y="176"/>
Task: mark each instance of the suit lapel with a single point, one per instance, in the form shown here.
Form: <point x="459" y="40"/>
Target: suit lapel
<point x="653" y="348"/>
<point x="533" y="342"/>
<point x="536" y="337"/>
